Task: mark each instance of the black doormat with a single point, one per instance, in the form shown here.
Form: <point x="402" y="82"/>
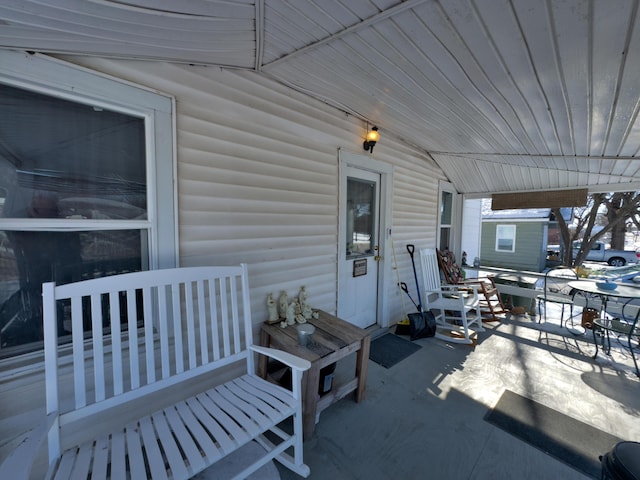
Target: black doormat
<point x="390" y="349"/>
<point x="569" y="440"/>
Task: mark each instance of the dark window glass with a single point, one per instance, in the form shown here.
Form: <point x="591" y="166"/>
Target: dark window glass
<point x="72" y="176"/>
<point x="361" y="213"/>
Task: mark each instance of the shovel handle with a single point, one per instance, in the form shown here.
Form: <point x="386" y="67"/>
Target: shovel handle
<point x="403" y="286"/>
<point x="411" y="248"/>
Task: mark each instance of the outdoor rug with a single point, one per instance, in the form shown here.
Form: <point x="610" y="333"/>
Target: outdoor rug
<point x="390" y="349"/>
<point x="569" y="440"/>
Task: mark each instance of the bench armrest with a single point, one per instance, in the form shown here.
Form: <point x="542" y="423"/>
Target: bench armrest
<point x="17" y="465"/>
<point x="452" y="289"/>
<point x="288" y="359"/>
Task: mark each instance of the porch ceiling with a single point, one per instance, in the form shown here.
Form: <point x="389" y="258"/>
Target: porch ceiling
<point x="505" y="95"/>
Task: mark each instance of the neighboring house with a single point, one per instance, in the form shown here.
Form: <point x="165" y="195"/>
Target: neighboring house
<point x="517" y="238"/>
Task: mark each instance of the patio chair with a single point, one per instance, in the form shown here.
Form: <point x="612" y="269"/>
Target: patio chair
<point x="556" y="290"/>
<point x="456" y="306"/>
<point x="490" y="302"/>
<point x="626" y="327"/>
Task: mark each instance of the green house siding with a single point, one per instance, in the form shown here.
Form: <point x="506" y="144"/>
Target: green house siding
<point x="529" y="251"/>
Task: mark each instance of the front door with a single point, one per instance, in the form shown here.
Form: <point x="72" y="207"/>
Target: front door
<point x="359" y="249"/>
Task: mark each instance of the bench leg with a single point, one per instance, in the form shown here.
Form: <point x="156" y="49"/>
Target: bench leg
<point x="362" y="362"/>
<point x="310" y="381"/>
<point x="262" y="359"/>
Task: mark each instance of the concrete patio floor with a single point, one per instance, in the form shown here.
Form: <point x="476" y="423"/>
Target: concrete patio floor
<point x="423" y="417"/>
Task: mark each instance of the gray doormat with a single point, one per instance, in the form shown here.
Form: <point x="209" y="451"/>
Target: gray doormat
<point x="390" y="349"/>
<point x="571" y="441"/>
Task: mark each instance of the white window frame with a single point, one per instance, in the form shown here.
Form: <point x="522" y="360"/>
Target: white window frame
<point x="61" y="79"/>
<point x="456" y="217"/>
<point x="504" y="232"/>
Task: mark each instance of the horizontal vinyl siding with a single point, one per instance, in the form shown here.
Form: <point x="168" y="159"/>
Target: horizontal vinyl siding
<point x="415" y="207"/>
<point x="258" y="181"/>
<point x="256" y="187"/>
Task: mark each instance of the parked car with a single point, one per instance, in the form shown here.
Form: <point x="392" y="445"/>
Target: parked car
<point x="628" y="275"/>
<point x="615" y="258"/>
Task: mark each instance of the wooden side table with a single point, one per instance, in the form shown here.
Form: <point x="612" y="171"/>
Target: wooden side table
<point x="333" y="340"/>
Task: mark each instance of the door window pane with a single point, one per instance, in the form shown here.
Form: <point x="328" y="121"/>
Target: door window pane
<point x="361" y="213"/>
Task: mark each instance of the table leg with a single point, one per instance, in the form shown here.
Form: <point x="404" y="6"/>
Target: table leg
<point x="362" y="363"/>
<point x="262" y="359"/>
<point x="595" y="340"/>
<point x="310" y="381"/>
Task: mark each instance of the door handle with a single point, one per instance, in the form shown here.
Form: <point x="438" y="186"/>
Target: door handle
<point x="377" y="258"/>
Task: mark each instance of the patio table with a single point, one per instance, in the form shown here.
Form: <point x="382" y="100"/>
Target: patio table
<point x="610" y="325"/>
<point x="590" y="287"/>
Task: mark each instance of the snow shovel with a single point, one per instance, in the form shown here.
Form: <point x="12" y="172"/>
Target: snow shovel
<point x="421" y="324"/>
<point x="411" y="249"/>
<point x="405" y="289"/>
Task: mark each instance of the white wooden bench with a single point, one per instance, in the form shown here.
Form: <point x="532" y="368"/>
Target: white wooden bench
<point x="135" y="395"/>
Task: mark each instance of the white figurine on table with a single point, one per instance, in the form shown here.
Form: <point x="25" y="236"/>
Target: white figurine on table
<point x="302" y="297"/>
<point x="272" y="308"/>
<point x="284" y="304"/>
<point x="291" y="313"/>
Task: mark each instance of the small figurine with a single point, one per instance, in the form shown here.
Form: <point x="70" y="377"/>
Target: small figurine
<point x="315" y="315"/>
<point x="283" y="324"/>
<point x="272" y="309"/>
<point x="307" y="312"/>
<point x="291" y="314"/>
<point x="302" y="298"/>
<point x="284" y="304"/>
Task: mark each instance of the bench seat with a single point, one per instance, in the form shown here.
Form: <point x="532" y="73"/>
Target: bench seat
<point x="183" y="439"/>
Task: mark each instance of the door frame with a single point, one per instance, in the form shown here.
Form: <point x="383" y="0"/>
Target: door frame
<point x="364" y="162"/>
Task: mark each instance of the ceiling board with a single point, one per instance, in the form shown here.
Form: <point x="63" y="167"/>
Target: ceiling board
<point x="504" y="95"/>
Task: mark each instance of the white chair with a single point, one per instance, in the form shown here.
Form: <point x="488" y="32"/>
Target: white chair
<point x="456" y="307"/>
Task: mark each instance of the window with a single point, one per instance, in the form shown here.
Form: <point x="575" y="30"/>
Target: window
<point x="361" y="216"/>
<point x="78" y="182"/>
<point x="505" y="238"/>
<point x="446" y="215"/>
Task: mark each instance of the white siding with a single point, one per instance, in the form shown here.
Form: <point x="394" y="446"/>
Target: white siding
<point x="257" y="168"/>
<point x="258" y="179"/>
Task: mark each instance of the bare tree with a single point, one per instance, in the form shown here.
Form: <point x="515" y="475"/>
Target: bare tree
<point x="614" y="211"/>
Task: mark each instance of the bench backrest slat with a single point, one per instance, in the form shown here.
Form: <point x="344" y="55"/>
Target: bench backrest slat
<point x="138" y="332"/>
<point x="215" y="334"/>
<point x="78" y="351"/>
<point x="224" y="321"/>
<point x="163" y="326"/>
<point x="98" y="349"/>
<point x="204" y="337"/>
<point x="132" y="328"/>
<point x="149" y="334"/>
<point x="116" y="347"/>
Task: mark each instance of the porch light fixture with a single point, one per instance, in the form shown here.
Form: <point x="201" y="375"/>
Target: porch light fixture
<point x="372" y="137"/>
